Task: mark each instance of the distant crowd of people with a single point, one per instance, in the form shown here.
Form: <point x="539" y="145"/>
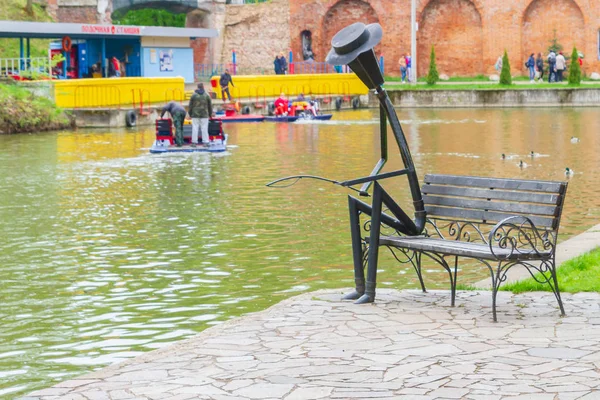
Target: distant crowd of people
<point x="557" y="65"/>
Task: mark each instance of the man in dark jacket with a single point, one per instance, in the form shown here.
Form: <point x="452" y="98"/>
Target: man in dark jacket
<point x="224" y="82"/>
<point x="178" y="115"/>
<point x="200" y="110"/>
<point x="283" y="63"/>
<point x="277" y="65"/>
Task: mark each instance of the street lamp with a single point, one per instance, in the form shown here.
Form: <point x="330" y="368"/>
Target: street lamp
<point x="413" y="41"/>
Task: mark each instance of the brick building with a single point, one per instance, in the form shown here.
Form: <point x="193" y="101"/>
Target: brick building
<point x="468" y="35"/>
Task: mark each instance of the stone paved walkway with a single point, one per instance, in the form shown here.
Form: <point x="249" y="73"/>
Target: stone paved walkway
<point x="408" y="345"/>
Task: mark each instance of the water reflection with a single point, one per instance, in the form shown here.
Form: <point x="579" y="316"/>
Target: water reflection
<point x="108" y="251"/>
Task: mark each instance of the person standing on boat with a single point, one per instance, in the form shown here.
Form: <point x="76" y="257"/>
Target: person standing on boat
<point x="200" y="109"/>
<point x="178" y="115"/>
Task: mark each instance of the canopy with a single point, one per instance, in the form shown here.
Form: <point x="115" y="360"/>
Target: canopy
<point x="21" y="29"/>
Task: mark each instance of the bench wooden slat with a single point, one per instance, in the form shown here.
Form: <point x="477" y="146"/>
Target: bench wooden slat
<point x="492" y="194"/>
<point x="482" y="215"/>
<point x="457" y="248"/>
<point x="511" y="184"/>
<point x="522" y="208"/>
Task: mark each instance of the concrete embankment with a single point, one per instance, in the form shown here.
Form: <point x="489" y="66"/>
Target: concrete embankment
<point x="567" y="97"/>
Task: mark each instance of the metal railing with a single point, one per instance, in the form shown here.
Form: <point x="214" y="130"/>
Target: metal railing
<point x="26" y="68"/>
<point x="311" y="67"/>
<point x="246" y="1"/>
<point x="208" y="70"/>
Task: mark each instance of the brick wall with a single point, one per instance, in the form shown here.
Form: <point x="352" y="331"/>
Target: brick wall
<point x="454" y="28"/>
<point x="81" y="15"/>
<point x="469" y="35"/>
<point x="546" y="18"/>
<point x="256" y="32"/>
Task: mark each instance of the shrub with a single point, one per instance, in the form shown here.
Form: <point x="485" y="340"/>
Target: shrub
<point x="433" y="76"/>
<point x="575" y="68"/>
<point x="505" y="77"/>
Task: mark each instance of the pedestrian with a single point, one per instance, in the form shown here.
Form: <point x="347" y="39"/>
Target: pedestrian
<point x="402" y="63"/>
<point x="498" y="65"/>
<point x="551" y="66"/>
<point x="178" y="116"/>
<point x="561" y="65"/>
<point x="408" y="61"/>
<point x="530" y="64"/>
<point x="539" y="66"/>
<point x="116" y="66"/>
<point x="200" y="110"/>
<point x="277" y="65"/>
<point x="283" y="63"/>
<point x="224" y="82"/>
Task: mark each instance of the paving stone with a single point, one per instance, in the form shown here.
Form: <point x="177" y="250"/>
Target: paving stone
<point x="309" y="393"/>
<point x="449" y="393"/>
<point x="407" y="345"/>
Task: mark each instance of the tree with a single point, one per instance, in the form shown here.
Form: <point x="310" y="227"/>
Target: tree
<point x="575" y="68"/>
<point x="29" y="7"/>
<point x="505" y="77"/>
<point x="554" y="45"/>
<point x="433" y="76"/>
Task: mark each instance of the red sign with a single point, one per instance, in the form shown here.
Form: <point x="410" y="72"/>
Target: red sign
<point x="111" y="29"/>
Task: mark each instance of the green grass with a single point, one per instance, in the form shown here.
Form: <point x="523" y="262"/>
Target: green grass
<point x="23" y="112"/>
<point x="14" y="10"/>
<point x="580" y="274"/>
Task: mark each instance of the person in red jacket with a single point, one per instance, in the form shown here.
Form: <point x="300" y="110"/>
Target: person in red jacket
<point x="116" y="66"/>
<point x="281" y="105"/>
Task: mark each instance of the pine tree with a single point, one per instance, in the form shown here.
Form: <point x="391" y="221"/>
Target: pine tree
<point x="433" y="76"/>
<point x="554" y="45"/>
<point x="505" y="77"/>
<point x="574" y="69"/>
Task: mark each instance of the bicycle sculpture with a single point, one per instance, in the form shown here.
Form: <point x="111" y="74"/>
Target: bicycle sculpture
<point x="353" y="46"/>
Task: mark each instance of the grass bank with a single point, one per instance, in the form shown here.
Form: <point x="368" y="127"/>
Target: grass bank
<point x="22" y="111"/>
<point x="580" y="274"/>
<point x="489" y="86"/>
<point x="14" y="10"/>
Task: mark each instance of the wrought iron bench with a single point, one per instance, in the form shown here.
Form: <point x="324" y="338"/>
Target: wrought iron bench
<point x="498" y="222"/>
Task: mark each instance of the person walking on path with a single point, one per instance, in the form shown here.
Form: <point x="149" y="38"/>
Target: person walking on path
<point x="530" y="64"/>
<point x="283" y="63"/>
<point x="224" y="82"/>
<point x="561" y="65"/>
<point x="178" y="115"/>
<point x="277" y="65"/>
<point x="539" y="66"/>
<point x="498" y="65"/>
<point x="551" y="66"/>
<point x="402" y="64"/>
<point x="200" y="109"/>
<point x="408" y="61"/>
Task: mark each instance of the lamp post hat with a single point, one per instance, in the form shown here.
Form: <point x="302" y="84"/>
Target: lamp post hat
<point x="352" y="41"/>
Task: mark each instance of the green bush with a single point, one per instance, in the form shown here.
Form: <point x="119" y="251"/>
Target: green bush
<point x="151" y="17"/>
<point x="433" y="76"/>
<point x="575" y="68"/>
<point x="554" y="45"/>
<point x="22" y="111"/>
<point x="505" y="76"/>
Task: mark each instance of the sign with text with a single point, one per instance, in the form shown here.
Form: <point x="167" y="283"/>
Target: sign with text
<point x="111" y="30"/>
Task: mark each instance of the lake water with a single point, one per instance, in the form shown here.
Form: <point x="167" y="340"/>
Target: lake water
<point x="108" y="251"/>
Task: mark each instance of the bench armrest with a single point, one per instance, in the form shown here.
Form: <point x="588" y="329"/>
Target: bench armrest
<point x="519" y="235"/>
